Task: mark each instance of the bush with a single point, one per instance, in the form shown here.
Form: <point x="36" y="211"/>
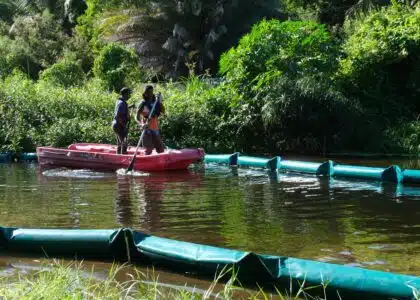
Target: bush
<point x="382" y="66"/>
<point x="311" y="116"/>
<point x="291" y="48"/>
<point x="284" y="70"/>
<point x="65" y="73"/>
<point x="36" y="114"/>
<point x="199" y="115"/>
<point x="117" y="67"/>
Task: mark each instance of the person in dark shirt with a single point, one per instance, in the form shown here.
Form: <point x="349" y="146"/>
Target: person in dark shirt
<point x="152" y="139"/>
<point x="121" y="120"/>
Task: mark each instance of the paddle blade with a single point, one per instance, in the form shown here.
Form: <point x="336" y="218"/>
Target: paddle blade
<point x="131" y="166"/>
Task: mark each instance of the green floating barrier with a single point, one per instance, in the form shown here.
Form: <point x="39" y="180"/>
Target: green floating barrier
<point x="230" y="159"/>
<point x="306" y="167"/>
<point x="411" y="176"/>
<point x="264" y="270"/>
<point x="258" y="162"/>
<point x="392" y="174"/>
<point x="28" y="156"/>
<point x="6" y="157"/>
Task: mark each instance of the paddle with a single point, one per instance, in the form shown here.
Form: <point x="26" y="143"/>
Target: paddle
<point x="130" y="167"/>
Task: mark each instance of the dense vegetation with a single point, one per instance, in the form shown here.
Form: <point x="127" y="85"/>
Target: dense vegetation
<point x="296" y="76"/>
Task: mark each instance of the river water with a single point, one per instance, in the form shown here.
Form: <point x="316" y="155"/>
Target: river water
<point x="358" y="223"/>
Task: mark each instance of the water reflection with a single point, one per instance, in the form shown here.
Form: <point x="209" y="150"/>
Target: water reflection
<point x="355" y="222"/>
<point x="145" y="195"/>
<point x="123" y="203"/>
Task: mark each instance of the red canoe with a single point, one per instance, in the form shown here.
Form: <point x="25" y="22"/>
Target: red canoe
<point x="103" y="157"/>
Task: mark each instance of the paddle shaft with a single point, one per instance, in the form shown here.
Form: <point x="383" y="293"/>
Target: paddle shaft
<point x="130" y="167"/>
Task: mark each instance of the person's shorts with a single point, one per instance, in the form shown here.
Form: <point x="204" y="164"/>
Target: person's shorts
<point x="153" y="140"/>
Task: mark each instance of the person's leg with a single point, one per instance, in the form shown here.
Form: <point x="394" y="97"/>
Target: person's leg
<point x="124" y="143"/>
<point x="158" y="144"/>
<point x="148" y="143"/>
<point x="117" y="131"/>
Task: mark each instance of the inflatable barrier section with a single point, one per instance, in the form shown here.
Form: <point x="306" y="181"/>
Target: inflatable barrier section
<point x="127" y="245"/>
<point x="28" y="157"/>
<point x="9" y="156"/>
<point x="329" y="168"/>
<point x="6" y="157"/>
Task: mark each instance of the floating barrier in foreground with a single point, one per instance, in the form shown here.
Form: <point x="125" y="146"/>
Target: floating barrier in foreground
<point x="279" y="271"/>
<point x="328" y="168"/>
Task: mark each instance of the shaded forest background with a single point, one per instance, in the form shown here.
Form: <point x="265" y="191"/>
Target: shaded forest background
<point x="269" y="76"/>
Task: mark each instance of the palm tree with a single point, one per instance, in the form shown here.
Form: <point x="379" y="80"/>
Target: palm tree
<point x="66" y="11"/>
<point x="173" y="36"/>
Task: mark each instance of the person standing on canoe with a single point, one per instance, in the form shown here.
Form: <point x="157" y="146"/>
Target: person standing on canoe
<point x="152" y="139"/>
<point x="121" y="120"/>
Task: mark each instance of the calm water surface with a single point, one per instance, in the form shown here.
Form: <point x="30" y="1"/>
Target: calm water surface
<point x="357" y="223"/>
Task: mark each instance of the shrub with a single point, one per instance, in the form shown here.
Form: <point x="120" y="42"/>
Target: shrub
<point x="36" y="114"/>
<point x="65" y="73"/>
<point x="382" y="66"/>
<point x="199" y="115"/>
<point x="291" y="48"/>
<point x="116" y="67"/>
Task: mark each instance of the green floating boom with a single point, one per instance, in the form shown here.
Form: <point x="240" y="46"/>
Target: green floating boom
<point x="6" y="157"/>
<point x="28" y="157"/>
<point x="10" y="156"/>
<point x="329" y="168"/>
<point x="268" y="271"/>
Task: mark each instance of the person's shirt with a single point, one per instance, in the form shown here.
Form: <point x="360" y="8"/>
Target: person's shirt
<point x="121" y="112"/>
<point x="145" y="107"/>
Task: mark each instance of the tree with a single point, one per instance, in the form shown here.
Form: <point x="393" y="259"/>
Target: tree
<point x="41" y="36"/>
<point x="116" y="67"/>
<point x="169" y="36"/>
<point x="65" y="11"/>
<point x="66" y="73"/>
<point x="334" y="12"/>
<point x="382" y="61"/>
<point x="273" y="49"/>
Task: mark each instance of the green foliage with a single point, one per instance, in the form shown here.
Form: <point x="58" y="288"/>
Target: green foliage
<point x="35" y="114"/>
<point x="35" y="43"/>
<point x="65" y="73"/>
<point x="310" y="115"/>
<point x="117" y="67"/>
<point x="78" y="49"/>
<point x="17" y="55"/>
<point x="4" y="67"/>
<point x="275" y="48"/>
<point x="168" y="39"/>
<point x="199" y="115"/>
<point x="382" y="65"/>
<point x="333" y="12"/>
<point x="403" y="137"/>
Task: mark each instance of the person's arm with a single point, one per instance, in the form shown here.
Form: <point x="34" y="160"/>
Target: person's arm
<point x="139" y="114"/>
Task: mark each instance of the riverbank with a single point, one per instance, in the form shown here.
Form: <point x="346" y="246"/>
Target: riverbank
<point x="282" y="87"/>
<point x="71" y="280"/>
<point x="199" y="114"/>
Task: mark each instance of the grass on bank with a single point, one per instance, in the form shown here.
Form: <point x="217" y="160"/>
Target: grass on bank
<point x="71" y="281"/>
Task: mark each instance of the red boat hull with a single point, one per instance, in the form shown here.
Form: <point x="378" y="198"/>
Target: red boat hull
<point x="103" y="157"/>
